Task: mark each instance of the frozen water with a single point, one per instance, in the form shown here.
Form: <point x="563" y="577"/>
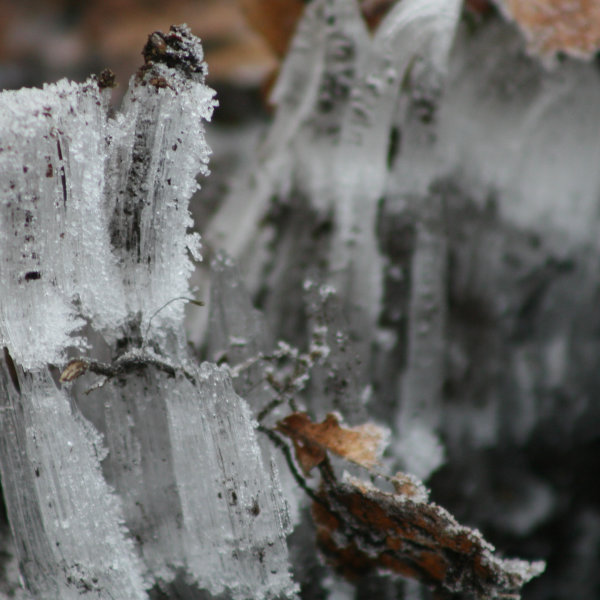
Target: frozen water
<point x="237" y="331"/>
<point x="234" y="516"/>
<point x="411" y="32"/>
<point x="67" y="522"/>
<point x="157" y="148"/>
<point x="54" y="236"/>
<point x="239" y="336"/>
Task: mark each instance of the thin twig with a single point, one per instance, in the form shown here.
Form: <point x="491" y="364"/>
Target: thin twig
<point x="290" y="461"/>
<point x="269" y="408"/>
<point x="192" y="300"/>
<point x="126" y="364"/>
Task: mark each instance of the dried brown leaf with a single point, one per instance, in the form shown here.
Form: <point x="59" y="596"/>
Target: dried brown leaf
<point x="361" y="528"/>
<point x="479" y="7"/>
<point x="375" y="10"/>
<point x="361" y="445"/>
<point x="551" y="26"/>
<point x="73" y="370"/>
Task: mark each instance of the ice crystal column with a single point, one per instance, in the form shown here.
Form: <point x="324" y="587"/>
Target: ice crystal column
<point x="94" y="218"/>
<point x="66" y="522"/>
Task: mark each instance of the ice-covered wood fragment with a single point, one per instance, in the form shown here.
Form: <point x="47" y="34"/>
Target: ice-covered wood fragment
<point x="361" y="528"/>
<point x="157" y="148"/>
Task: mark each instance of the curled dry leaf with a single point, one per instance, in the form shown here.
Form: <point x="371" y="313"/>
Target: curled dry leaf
<point x="361" y="445"/>
<point x="551" y="26"/>
<point x="73" y="370"/>
<point x="361" y="528"/>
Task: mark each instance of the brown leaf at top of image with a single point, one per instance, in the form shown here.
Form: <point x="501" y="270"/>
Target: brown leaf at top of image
<point x="361" y="528"/>
<point x="552" y="26"/>
<point x="361" y="445"/>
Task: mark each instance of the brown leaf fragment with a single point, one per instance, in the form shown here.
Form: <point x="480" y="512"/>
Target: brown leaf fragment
<point x="361" y="528"/>
<point x="73" y="370"/>
<point x="551" y="26"/>
<point x="361" y="445"/>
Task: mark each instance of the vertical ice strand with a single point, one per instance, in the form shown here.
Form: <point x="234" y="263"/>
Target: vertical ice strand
<point x="412" y="195"/>
<point x="326" y="202"/>
<point x="66" y="521"/>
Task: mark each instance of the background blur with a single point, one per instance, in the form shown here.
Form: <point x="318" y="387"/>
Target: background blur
<point x="244" y="40"/>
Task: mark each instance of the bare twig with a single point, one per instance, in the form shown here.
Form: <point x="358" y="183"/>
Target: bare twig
<point x="124" y="365"/>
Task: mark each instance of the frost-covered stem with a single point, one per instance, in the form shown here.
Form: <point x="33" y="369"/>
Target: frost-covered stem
<point x="66" y="522"/>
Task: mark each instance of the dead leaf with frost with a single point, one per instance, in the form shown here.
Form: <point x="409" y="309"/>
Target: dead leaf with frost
<point x="361" y="445"/>
<point x="361" y="528"/>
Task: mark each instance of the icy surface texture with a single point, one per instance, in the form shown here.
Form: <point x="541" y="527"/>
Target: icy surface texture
<point x="54" y="231"/>
<point x="67" y="523"/>
<point x="157" y="148"/>
<point x="240" y="336"/>
<point x="95" y="249"/>
<point x="235" y="509"/>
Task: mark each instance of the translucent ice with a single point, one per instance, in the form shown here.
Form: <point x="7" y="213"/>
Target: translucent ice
<point x="54" y="233"/>
<point x="68" y="524"/>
